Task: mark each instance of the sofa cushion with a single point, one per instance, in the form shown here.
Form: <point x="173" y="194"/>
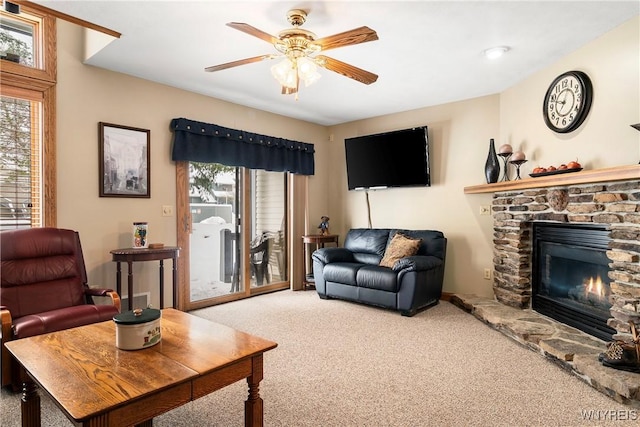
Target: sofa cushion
<point x="342" y="272"/>
<point x="401" y="246"/>
<point x="367" y="240"/>
<point x="370" y="259"/>
<point x="376" y="277"/>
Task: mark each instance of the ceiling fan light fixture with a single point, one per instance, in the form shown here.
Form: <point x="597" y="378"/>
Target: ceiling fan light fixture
<point x="291" y="70"/>
<point x="291" y="80"/>
<point x="284" y="72"/>
<point x="495" y="52"/>
<point x="308" y="71"/>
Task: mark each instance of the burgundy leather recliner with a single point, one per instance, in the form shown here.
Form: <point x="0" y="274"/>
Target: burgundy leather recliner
<point x="43" y="288"/>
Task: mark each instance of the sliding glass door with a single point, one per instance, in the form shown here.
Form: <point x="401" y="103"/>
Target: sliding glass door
<point x="267" y="250"/>
<point x="214" y="204"/>
<point x="224" y="257"/>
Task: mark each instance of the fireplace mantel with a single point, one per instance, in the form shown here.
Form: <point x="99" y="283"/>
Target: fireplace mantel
<point x="618" y="173"/>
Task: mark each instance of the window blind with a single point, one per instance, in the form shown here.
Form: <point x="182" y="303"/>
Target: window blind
<point x="20" y="160"/>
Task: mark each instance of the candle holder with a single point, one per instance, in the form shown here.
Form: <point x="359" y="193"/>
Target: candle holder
<point x="505" y="160"/>
<point x="518" y="163"/>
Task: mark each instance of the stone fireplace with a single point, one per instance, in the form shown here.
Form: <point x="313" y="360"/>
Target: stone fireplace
<point x="606" y="201"/>
<point x="613" y="206"/>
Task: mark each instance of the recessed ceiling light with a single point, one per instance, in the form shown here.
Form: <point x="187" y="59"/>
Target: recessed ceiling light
<point x="496" y="52"/>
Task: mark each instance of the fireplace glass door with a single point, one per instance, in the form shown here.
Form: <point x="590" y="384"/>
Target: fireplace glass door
<point x="570" y="276"/>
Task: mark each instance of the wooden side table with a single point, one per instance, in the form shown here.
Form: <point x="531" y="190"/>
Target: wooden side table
<point x="319" y="240"/>
<point x="130" y="255"/>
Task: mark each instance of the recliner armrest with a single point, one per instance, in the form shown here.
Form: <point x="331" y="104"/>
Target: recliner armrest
<point x="98" y="292"/>
<point x="5" y="320"/>
<point x="102" y="292"/>
<point x="417" y="263"/>
<point x="7" y="335"/>
<point x="329" y="255"/>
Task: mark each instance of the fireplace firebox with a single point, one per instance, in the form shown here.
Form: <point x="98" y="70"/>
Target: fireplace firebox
<point x="569" y="275"/>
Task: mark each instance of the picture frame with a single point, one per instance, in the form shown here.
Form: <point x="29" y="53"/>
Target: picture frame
<point x="124" y="161"/>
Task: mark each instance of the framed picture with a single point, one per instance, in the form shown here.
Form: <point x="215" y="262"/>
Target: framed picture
<point x="124" y="161"/>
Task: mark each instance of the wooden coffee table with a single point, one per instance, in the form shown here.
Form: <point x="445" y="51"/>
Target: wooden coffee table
<point x="96" y="384"/>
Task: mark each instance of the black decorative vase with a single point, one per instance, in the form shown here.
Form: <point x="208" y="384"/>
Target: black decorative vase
<point x="492" y="167"/>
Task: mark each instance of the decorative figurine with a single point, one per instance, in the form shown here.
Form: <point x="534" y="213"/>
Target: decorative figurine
<point x="324" y="226"/>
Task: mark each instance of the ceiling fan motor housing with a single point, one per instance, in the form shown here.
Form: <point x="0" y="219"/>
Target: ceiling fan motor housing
<point x="297" y="42"/>
<point x="296" y="17"/>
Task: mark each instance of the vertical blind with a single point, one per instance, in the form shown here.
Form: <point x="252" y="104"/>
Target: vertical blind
<point x="209" y="143"/>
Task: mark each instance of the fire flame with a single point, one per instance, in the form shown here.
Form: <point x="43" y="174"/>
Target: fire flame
<point x="595" y="287"/>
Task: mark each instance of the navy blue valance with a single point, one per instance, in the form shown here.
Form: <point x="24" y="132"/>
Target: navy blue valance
<point x="209" y="143"/>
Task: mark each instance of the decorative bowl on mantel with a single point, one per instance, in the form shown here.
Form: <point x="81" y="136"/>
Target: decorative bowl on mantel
<point x="555" y="172"/>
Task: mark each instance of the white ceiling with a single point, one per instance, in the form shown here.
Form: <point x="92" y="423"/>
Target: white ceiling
<point x="428" y="52"/>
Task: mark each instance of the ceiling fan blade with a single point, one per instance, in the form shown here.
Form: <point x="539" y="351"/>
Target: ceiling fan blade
<point x="345" y="69"/>
<point x="239" y="62"/>
<point x="253" y="31"/>
<point x="355" y="36"/>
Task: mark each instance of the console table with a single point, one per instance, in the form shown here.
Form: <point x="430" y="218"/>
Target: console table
<point x="130" y="255"/>
<point x="319" y="240"/>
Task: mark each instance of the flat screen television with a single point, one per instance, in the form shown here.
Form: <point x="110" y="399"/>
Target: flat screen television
<point x="392" y="159"/>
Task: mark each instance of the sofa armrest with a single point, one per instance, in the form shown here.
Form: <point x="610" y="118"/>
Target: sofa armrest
<point x="329" y="255"/>
<point x="417" y="263"/>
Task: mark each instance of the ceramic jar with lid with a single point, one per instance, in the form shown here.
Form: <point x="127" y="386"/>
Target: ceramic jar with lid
<point x="137" y="329"/>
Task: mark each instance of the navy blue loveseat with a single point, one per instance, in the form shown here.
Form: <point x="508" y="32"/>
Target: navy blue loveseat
<point x="353" y="272"/>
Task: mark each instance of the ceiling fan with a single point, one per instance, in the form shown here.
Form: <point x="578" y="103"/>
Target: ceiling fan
<point x="300" y="49"/>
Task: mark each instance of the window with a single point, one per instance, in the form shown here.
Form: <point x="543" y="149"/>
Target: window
<point x="17" y="36"/>
<point x="20" y="160"/>
<point x="27" y="119"/>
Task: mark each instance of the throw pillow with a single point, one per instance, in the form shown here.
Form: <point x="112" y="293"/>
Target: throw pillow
<point x="400" y="246"/>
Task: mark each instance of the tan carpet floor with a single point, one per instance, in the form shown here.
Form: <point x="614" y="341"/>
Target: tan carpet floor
<point x="344" y="364"/>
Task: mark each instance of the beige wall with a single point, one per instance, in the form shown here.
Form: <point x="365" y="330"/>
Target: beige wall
<point x="459" y="134"/>
<point x="606" y="138"/>
<point x="87" y="95"/>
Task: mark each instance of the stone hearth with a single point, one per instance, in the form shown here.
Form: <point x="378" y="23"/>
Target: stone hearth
<point x="568" y="347"/>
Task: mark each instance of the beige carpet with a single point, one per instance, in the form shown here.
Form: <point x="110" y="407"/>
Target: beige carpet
<point x="344" y="364"/>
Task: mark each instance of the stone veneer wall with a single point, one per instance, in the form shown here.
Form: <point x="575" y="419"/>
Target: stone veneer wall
<point x="616" y="204"/>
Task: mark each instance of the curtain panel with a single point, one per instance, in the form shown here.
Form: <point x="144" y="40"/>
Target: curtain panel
<point x="209" y="143"/>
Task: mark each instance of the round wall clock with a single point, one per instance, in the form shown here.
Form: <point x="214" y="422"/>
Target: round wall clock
<point x="567" y="102"/>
